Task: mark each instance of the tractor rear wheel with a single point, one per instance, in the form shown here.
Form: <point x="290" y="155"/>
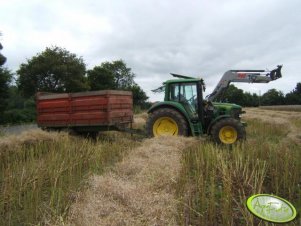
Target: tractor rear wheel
<point x="228" y="131"/>
<point x="166" y="121"/>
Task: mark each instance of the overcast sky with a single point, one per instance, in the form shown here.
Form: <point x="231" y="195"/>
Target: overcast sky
<point x="156" y="37"/>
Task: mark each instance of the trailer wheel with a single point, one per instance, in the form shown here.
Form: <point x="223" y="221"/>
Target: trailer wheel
<point x="166" y="121"/>
<point x="228" y="131"/>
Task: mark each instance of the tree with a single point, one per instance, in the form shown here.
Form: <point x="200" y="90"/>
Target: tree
<point x="297" y="90"/>
<point x="100" y="78"/>
<point x="18" y="109"/>
<point x="2" y="58"/>
<point x="294" y="97"/>
<point x="139" y="96"/>
<point x="53" y="70"/>
<point x="123" y="76"/>
<point x="255" y="100"/>
<point x="272" y="97"/>
<point x="5" y="80"/>
<point x="234" y="95"/>
<point x="116" y="75"/>
<point x="250" y="100"/>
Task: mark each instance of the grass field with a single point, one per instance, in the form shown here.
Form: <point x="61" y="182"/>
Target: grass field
<point x="46" y="177"/>
<point x="283" y="108"/>
<point x="41" y="173"/>
<point x="215" y="181"/>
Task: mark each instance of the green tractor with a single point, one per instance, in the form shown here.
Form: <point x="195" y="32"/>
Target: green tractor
<point x="185" y="112"/>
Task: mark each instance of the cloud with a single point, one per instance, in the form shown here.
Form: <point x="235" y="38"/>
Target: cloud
<point x="197" y="38"/>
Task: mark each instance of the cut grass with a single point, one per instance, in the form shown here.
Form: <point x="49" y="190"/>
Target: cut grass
<point x="215" y="181"/>
<point x="138" y="191"/>
<point x="39" y="179"/>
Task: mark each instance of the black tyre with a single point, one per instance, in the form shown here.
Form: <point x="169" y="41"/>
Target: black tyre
<point x="228" y="131"/>
<point x="166" y="121"/>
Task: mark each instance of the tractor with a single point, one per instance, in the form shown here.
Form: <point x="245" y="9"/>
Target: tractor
<point x="186" y="112"/>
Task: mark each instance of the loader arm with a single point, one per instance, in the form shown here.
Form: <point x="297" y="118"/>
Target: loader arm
<point x="246" y="76"/>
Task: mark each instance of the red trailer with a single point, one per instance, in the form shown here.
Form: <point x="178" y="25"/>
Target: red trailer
<point x="85" y="111"/>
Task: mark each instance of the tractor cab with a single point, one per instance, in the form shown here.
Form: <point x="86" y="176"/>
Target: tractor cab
<point x="188" y="93"/>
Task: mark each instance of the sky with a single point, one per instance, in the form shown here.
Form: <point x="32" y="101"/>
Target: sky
<point x="198" y="38"/>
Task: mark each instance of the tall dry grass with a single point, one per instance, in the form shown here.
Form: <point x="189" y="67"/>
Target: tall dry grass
<point x="41" y="173"/>
<point x="216" y="181"/>
<point x="282" y="107"/>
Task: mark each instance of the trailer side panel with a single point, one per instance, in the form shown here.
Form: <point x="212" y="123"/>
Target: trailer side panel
<point x="95" y="108"/>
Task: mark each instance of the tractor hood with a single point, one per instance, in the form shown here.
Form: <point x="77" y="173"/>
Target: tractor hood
<point x="226" y="105"/>
<point x="232" y="110"/>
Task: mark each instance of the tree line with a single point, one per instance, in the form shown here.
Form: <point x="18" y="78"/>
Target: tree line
<point x="58" y="70"/>
<point x="271" y="97"/>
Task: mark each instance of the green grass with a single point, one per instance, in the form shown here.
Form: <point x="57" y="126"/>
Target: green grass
<point x="39" y="181"/>
<point x="216" y="181"/>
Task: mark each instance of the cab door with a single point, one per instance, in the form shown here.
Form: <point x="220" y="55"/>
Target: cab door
<point x="186" y="94"/>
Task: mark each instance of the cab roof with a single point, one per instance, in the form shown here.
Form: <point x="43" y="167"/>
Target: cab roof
<point x="183" y="80"/>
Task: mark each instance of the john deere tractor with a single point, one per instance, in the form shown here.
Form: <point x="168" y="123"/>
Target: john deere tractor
<point x="185" y="112"/>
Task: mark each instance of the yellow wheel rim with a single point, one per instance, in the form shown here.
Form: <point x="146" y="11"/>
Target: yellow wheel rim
<point x="228" y="135"/>
<point x="165" y="126"/>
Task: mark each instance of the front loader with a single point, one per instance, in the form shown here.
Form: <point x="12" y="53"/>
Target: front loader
<point x="185" y="112"/>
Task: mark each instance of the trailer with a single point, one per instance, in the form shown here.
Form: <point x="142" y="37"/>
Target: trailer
<point x="85" y="112"/>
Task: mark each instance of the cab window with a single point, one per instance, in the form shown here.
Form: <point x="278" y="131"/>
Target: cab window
<point x="186" y="94"/>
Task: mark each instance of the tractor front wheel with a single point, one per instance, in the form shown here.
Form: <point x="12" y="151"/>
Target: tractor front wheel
<point x="166" y="121"/>
<point x="228" y="131"/>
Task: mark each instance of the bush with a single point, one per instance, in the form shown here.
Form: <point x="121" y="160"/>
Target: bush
<point x="14" y="116"/>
